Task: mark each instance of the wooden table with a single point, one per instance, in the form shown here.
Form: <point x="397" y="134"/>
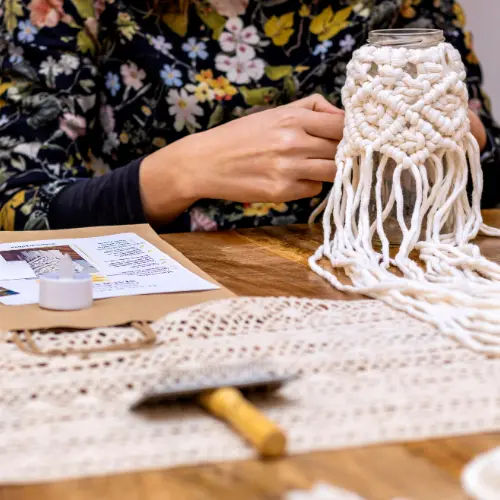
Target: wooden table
<point x="273" y="261"/>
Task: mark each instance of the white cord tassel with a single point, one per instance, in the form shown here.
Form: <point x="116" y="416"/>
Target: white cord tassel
<point x="420" y="125"/>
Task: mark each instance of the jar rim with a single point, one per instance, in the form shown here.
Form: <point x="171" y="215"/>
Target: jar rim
<point x="406" y="37"/>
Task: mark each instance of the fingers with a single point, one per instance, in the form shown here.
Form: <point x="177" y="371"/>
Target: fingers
<point x="324" y="125"/>
<point x="319" y="149"/>
<point x="301" y="189"/>
<point x="307" y="189"/>
<point x="316" y="102"/>
<point x="477" y="129"/>
<point x="319" y="117"/>
<point x="316" y="170"/>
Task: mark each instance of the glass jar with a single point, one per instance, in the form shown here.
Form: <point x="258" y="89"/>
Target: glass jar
<point x="411" y="39"/>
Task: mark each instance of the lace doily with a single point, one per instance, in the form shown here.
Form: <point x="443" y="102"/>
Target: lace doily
<point x="368" y="374"/>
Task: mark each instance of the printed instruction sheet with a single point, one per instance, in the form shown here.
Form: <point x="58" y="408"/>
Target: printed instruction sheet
<point x="120" y="264"/>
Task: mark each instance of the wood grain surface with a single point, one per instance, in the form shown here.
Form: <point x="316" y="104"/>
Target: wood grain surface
<point x="273" y="261"/>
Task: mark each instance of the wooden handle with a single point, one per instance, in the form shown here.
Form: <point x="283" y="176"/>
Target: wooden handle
<point x="228" y="403"/>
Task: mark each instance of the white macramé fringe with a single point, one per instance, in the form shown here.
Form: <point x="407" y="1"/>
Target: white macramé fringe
<point x="456" y="289"/>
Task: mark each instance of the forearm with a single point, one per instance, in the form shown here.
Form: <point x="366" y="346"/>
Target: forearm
<point x="150" y="189"/>
<point x="166" y="185"/>
<point x="111" y="199"/>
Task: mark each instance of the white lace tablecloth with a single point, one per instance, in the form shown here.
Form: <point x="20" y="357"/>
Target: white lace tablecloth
<point x="368" y="374"/>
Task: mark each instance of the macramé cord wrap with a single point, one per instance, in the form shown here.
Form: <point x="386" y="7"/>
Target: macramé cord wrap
<point x="410" y="106"/>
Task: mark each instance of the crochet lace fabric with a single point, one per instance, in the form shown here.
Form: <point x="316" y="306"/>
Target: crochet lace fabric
<point x="368" y="374"/>
<point x="407" y="125"/>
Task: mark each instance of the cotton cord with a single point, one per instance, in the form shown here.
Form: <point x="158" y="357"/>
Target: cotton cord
<point x="406" y="114"/>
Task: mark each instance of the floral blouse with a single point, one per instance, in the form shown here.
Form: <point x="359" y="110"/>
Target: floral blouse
<point x="88" y="87"/>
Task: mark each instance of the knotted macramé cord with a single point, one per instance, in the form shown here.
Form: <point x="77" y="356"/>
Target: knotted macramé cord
<point x="410" y="106"/>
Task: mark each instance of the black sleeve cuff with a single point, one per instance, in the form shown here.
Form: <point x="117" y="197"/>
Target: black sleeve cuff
<point x="111" y="199"/>
<point x="490" y="163"/>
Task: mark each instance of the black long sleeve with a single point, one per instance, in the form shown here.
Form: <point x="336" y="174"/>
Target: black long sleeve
<point x="490" y="162"/>
<point x="111" y="199"/>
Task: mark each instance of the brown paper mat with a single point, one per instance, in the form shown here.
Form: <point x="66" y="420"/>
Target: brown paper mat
<point x="106" y="312"/>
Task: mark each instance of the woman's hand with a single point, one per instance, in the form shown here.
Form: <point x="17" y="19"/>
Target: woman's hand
<point x="477" y="129"/>
<point x="281" y="154"/>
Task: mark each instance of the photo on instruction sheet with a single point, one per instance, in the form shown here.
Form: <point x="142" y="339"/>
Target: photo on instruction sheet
<point x="45" y="260"/>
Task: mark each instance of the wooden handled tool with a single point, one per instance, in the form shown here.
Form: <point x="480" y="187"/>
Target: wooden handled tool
<point x="216" y="389"/>
<point x="229" y="404"/>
